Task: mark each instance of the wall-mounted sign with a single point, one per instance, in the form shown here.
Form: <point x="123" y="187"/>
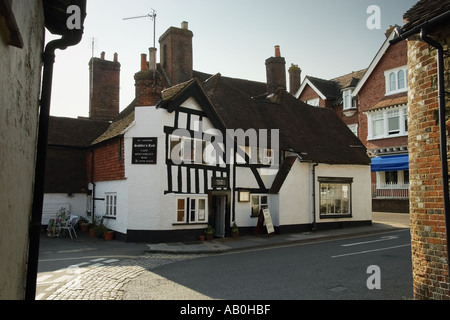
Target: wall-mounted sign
<point x="144" y="150"/>
<point x="219" y="182"/>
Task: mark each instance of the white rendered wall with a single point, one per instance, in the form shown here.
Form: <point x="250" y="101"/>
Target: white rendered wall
<point x="361" y="190"/>
<point x="53" y="202"/>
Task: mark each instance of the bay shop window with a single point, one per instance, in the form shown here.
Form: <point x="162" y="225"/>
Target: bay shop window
<point x="335" y="197"/>
<point x="191" y="210"/>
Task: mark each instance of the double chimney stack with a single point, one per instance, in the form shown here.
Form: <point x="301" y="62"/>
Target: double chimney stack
<point x="175" y="67"/>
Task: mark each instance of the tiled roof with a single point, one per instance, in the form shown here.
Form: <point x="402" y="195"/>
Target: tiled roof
<point x="332" y="88"/>
<point x="423" y="11"/>
<point x="72" y="132"/>
<point x="316" y="134"/>
<point x="391" y="101"/>
<point x="116" y="128"/>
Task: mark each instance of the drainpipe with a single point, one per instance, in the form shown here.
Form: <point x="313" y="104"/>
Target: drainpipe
<point x="70" y="38"/>
<point x="443" y="133"/>
<point x="314" y="224"/>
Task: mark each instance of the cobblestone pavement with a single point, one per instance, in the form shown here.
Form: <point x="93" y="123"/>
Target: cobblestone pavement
<point x="108" y="282"/>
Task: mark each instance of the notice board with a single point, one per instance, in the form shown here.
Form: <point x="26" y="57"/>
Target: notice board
<point x="144" y="151"/>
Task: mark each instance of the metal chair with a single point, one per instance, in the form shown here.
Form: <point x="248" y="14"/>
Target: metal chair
<point x="69" y="225"/>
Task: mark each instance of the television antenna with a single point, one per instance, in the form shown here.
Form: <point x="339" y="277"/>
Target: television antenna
<point x="152" y="16"/>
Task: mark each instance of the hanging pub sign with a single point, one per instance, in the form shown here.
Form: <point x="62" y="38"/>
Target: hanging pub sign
<point x="144" y="150"/>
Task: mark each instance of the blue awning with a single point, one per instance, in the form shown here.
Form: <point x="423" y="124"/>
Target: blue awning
<point x="390" y="163"/>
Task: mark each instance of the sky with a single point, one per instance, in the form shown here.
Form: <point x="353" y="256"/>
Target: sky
<point x="325" y="38"/>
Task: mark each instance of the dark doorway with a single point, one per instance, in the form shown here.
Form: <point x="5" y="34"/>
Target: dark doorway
<point x="219" y="213"/>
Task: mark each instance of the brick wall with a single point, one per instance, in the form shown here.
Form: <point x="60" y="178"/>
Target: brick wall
<point x="276" y="72"/>
<point x="176" y="54"/>
<point x="428" y="232"/>
<point x="148" y="88"/>
<point x="309" y="94"/>
<point x="106" y="161"/>
<point x="104" y="99"/>
<point x="375" y="89"/>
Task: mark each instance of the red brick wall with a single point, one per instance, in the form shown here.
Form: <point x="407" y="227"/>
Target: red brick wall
<point x="148" y="88"/>
<point x="177" y="54"/>
<point x="276" y="74"/>
<point x="428" y="232"/>
<point x="309" y="94"/>
<point x="106" y="161"/>
<point x="375" y="89"/>
<point x="105" y="86"/>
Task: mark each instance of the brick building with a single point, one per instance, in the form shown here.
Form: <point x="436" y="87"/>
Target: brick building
<point x="373" y="103"/>
<point x="427" y="28"/>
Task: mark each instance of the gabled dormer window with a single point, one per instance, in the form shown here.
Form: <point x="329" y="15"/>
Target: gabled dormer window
<point x="396" y="80"/>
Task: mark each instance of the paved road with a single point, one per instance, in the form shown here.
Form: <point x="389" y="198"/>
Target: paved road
<point x="328" y="270"/>
<point x="86" y="269"/>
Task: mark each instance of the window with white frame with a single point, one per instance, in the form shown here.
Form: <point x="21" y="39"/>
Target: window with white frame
<point x="111" y="204"/>
<point x="335" y="197"/>
<point x="393" y="179"/>
<point x="348" y="100"/>
<point x="396" y="80"/>
<point x="313" y="102"/>
<point x="387" y="123"/>
<point x="354" y="128"/>
<point x="191" y="209"/>
<point x="259" y="202"/>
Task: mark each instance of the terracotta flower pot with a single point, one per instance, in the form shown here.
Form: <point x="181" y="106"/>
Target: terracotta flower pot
<point x="109" y="235"/>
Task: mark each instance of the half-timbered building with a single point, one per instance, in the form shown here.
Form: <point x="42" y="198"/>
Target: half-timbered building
<point x="196" y="149"/>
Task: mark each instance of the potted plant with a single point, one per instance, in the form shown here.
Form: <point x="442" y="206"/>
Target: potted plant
<point x="83" y="223"/>
<point x="210" y="233"/>
<point x="100" y="230"/>
<point x="234" y="230"/>
<point x="109" y="235"/>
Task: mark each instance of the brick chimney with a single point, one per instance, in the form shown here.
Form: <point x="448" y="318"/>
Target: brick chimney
<point x="104" y="82"/>
<point x="276" y="72"/>
<point x="176" y="55"/>
<point x="148" y="81"/>
<point x="295" y="74"/>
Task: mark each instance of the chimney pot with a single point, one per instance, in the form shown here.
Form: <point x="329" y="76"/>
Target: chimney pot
<point x="277" y="52"/>
<point x="153" y="59"/>
<point x="116" y="57"/>
<point x="102" y="56"/>
<point x="143" y="62"/>
<point x="185" y="25"/>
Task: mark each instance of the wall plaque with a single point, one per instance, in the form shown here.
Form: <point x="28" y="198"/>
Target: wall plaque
<point x="144" y="150"/>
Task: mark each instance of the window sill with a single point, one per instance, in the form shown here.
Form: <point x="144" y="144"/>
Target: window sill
<point x="334" y="216"/>
<point x="400" y="135"/>
<point x="349" y="112"/>
<point x="189" y="224"/>
<point x="391" y="93"/>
